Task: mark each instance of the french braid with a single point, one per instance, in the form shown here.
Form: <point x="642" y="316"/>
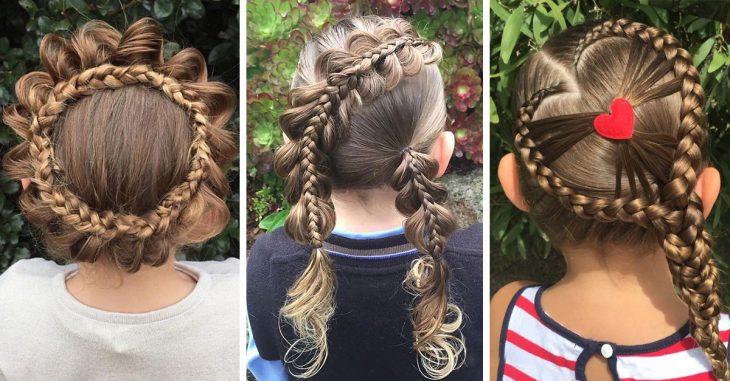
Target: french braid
<point x="97" y="59"/>
<point x="676" y="214"/>
<point x="368" y="65"/>
<point x="435" y="321"/>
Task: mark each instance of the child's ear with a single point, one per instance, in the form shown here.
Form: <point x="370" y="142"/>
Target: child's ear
<point x="443" y="149"/>
<point x="510" y="180"/>
<point x="708" y="188"/>
<point x="25" y="183"/>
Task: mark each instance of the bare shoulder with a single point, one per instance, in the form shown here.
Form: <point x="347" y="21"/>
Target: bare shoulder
<point x="497" y="309"/>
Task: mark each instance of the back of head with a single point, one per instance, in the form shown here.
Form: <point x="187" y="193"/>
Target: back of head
<point x="123" y="149"/>
<point x="366" y="108"/>
<point x="585" y="188"/>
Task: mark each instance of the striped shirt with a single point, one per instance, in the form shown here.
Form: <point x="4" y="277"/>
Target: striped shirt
<point x="535" y="347"/>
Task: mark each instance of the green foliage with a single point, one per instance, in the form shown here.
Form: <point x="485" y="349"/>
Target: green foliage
<point x="208" y="25"/>
<point x="520" y="27"/>
<point x="276" y="32"/>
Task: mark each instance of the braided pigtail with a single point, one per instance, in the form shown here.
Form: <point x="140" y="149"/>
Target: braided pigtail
<point x="112" y="216"/>
<point x="436" y="321"/>
<point x="369" y="64"/>
<point x="664" y="200"/>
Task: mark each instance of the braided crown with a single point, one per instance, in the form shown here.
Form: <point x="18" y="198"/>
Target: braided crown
<point x="74" y="211"/>
<point x="99" y="58"/>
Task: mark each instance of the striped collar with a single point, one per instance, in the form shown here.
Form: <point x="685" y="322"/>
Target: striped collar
<point x="534" y="346"/>
<point x="386" y="244"/>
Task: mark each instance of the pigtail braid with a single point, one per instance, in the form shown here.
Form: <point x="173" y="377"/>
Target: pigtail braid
<point x="310" y="124"/>
<point x="678" y="213"/>
<point x="370" y="64"/>
<point x="436" y="321"/>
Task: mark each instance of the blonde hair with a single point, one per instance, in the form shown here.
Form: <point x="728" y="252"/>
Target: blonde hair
<point x="366" y="107"/>
<point x="582" y="187"/>
<point x="123" y="149"/>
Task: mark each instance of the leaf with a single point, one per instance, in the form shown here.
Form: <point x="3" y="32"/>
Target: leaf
<point x="170" y="49"/>
<point x="264" y="135"/>
<point x="500" y="219"/>
<point x="578" y="16"/>
<point x="219" y="52"/>
<point x="163" y="8"/>
<point x="509" y="238"/>
<point x="499" y="10"/>
<point x="44" y="24"/>
<point x="194" y="8"/>
<point x="703" y="51"/>
<point x="274" y="221"/>
<point x="698" y="24"/>
<point x="10" y="187"/>
<point x="717" y="61"/>
<point x="521" y="248"/>
<point x="541" y="21"/>
<point x="557" y="12"/>
<point x="29" y="6"/>
<point x="493" y="114"/>
<point x="511" y="33"/>
<point x="62" y="26"/>
<point x="80" y="6"/>
<point x="320" y="13"/>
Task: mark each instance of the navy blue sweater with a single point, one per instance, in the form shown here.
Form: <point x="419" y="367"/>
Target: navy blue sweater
<point x="370" y="335"/>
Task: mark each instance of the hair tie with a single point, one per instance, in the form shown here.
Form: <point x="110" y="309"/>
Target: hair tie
<point x="406" y="149"/>
<point x="619" y="123"/>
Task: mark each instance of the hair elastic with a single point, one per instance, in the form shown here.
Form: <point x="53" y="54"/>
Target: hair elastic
<point x="406" y="149"/>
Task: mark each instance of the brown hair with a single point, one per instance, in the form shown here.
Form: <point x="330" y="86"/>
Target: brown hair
<point x="123" y="149"/>
<point x="638" y="191"/>
<point x="366" y="107"/>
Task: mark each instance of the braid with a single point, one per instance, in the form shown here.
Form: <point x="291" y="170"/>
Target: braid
<point x="435" y="321"/>
<point x="370" y="64"/>
<point x="96" y="60"/>
<point x="68" y="206"/>
<point x="677" y="214"/>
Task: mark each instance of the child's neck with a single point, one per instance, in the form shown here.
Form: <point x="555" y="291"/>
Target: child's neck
<point x="103" y="286"/>
<point x="618" y="294"/>
<point x="363" y="211"/>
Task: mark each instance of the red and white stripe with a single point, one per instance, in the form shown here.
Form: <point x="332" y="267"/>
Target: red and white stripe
<point x="682" y="361"/>
<point x="548" y="355"/>
<point x="533" y="351"/>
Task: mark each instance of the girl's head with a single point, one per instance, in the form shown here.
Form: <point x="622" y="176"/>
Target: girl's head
<point x="583" y="188"/>
<point x="366" y="112"/>
<point x="122" y="148"/>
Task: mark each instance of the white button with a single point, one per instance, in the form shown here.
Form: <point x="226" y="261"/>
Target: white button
<point x="607" y="350"/>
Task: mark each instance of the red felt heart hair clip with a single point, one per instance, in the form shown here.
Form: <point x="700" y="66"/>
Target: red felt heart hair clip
<point x="619" y="124"/>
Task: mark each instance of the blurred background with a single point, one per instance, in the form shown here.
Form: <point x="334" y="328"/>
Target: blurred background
<point x="519" y="250"/>
<point x="276" y="32"/>
<point x="210" y="26"/>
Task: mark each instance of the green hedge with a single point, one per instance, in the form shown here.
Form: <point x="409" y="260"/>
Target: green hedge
<point x="210" y="26"/>
<point x="277" y="31"/>
<point x="519" y="249"/>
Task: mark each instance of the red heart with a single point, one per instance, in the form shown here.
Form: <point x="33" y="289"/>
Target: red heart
<point x="618" y="125"/>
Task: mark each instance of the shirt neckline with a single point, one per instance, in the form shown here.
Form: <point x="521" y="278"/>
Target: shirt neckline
<point x="69" y="302"/>
<point x="618" y="349"/>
